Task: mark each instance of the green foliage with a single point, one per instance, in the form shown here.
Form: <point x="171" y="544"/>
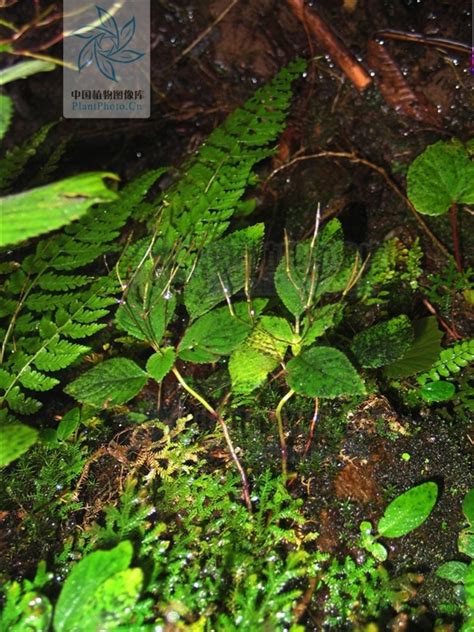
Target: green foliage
<point x="219" y="332"/>
<point x="422" y="353"/>
<point x="383" y="343"/>
<point x="391" y="262"/>
<point x="441" y="176"/>
<point x="12" y="165"/>
<point x="403" y="515"/>
<point x="439" y="391"/>
<point x="6" y="113"/>
<point x="159" y="364"/>
<point x="25" y="607"/>
<point x="450" y="362"/>
<point x="355" y="591"/>
<point x="50" y="300"/>
<point x="110" y="383"/>
<point x="101" y="589"/>
<point x="408" y="511"/>
<point x="461" y="573"/>
<point x="310" y="269"/>
<point x="37" y="211"/>
<point x="16" y="439"/>
<point x="197" y="208"/>
<point x="324" y="372"/>
<point x="24" y="69"/>
<point x="222" y="269"/>
<point x="147" y="306"/>
<point x="442" y="286"/>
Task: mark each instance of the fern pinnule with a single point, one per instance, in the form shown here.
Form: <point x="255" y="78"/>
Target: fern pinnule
<point x="52" y="304"/>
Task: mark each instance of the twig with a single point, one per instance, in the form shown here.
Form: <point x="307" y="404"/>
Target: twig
<point x="380" y="170"/>
<point x="449" y="330"/>
<point x="418" y="38"/>
<point x="204" y="34"/>
<point x="332" y="44"/>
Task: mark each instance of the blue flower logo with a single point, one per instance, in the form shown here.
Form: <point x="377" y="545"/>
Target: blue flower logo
<point x="106" y="45"/>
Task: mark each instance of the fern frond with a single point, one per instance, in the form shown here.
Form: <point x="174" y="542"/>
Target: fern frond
<point x="450" y="362"/>
<point x="197" y="208"/>
<point x="50" y="301"/>
<point x="51" y="165"/>
<point x="15" y="159"/>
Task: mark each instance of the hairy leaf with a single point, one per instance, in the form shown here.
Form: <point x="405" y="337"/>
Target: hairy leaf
<point x="110" y="383"/>
<point x="323" y="372"/>
<point x="383" y="343"/>
<point x="441" y="176"/>
<point x="160" y="364"/>
<point x="221" y="269"/>
<point x="309" y="269"/>
<point x="218" y="332"/>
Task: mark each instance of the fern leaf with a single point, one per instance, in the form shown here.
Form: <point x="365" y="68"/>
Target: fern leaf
<point x="12" y="165"/>
<point x="60" y="282"/>
<point x="58" y="355"/>
<point x="37" y="381"/>
<point x="20" y="403"/>
<point x="450" y="361"/>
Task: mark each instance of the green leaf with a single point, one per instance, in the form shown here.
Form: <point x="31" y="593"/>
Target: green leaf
<point x="423" y="352"/>
<point x="16" y="439"/>
<point x="46" y="208"/>
<point x="408" y="511"/>
<point x="109" y="383"/>
<point x="58" y="354"/>
<point x="99" y="592"/>
<point x="248" y="368"/>
<point x="383" y="343"/>
<point x="272" y="336"/>
<point x="69" y="424"/>
<point x="466" y="542"/>
<point x="441" y="176"/>
<point x="218" y="332"/>
<point x="221" y="269"/>
<point x="378" y="551"/>
<point x="160" y="364"/>
<point x="322" y="320"/>
<point x="36" y="381"/>
<point x="24" y="69"/>
<point x="440" y="391"/>
<point x="468" y="506"/>
<point x="6" y="111"/>
<point x="323" y="372"/>
<point x="469" y="591"/>
<point x="149" y="306"/>
<point x="309" y="269"/>
<point x="452" y="571"/>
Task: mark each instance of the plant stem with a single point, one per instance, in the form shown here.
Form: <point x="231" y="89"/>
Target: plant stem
<point x="281" y="432"/>
<point x="453" y="215"/>
<point x="225" y="431"/>
<point x="312" y="427"/>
